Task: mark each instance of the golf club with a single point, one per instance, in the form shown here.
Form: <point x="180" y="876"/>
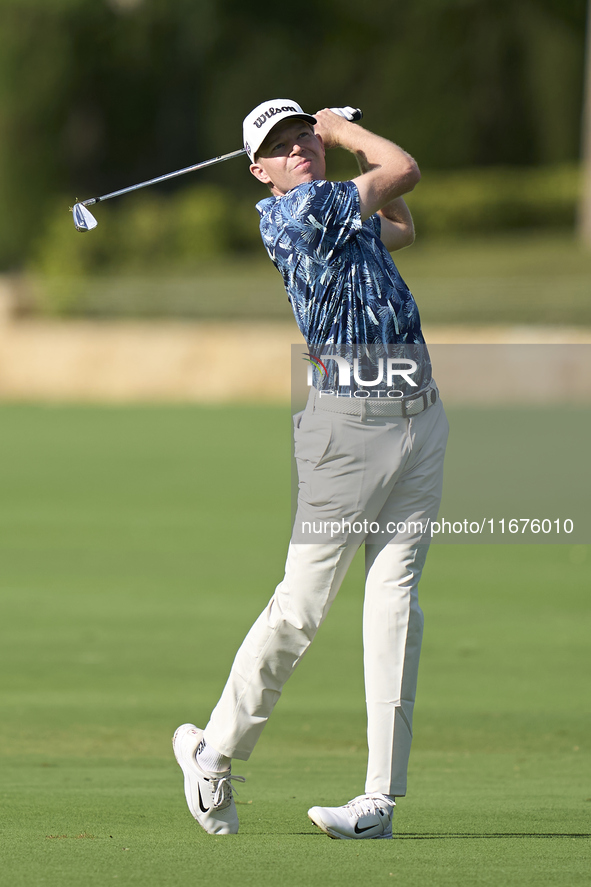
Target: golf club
<point x="85" y="221"/>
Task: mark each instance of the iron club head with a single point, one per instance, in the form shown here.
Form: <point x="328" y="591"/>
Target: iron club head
<point x="83" y="218"/>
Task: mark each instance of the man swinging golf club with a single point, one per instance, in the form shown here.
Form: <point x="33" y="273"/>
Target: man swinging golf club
<point x="376" y="461"/>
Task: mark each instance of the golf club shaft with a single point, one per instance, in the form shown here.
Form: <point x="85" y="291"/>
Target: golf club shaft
<point x="164" y="178"/>
<point x="348" y="113"/>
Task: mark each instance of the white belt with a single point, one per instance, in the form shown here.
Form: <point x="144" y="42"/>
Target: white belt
<point x="374" y="406"/>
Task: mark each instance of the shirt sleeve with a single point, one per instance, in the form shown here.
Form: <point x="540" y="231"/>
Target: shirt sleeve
<point x="319" y="218"/>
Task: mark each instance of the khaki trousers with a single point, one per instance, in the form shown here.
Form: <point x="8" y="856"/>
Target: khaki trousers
<point x="387" y="472"/>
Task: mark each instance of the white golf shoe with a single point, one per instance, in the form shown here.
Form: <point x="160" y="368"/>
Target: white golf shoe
<point x="368" y="816"/>
<point x="209" y="795"/>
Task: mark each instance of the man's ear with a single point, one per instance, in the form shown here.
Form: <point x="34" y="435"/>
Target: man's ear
<point x="260" y="174"/>
<point x="319" y="137"/>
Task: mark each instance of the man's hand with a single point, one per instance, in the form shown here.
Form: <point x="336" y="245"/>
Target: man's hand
<point x="329" y="128"/>
<point x="388" y="172"/>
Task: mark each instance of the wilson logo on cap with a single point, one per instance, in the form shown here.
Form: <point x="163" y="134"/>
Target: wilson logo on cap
<point x="270" y="112"/>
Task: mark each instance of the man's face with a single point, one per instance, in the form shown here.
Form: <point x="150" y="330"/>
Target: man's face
<point x="291" y="154"/>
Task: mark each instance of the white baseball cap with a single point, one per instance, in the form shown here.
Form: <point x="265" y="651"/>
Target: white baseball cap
<point x="259" y="123"/>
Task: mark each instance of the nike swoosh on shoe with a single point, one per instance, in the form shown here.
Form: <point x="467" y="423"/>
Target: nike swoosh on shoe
<point x="359" y="831"/>
<point x="201" y="807"/>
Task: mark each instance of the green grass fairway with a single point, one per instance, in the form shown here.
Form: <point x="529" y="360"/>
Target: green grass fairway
<point x="137" y="546"/>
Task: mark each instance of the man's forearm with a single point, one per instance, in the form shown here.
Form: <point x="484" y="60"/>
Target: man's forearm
<point x="387" y="170"/>
<point x="396" y="210"/>
<point x="373" y="151"/>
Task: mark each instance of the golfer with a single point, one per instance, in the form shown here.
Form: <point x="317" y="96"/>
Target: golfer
<point x="362" y="461"/>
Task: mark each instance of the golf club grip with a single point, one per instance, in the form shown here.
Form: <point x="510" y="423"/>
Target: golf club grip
<point x="349" y="113"/>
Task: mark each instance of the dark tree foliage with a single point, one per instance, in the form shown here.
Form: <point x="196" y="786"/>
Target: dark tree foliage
<point x="98" y="94"/>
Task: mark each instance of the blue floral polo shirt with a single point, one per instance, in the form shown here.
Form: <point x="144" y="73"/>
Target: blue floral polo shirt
<point x="342" y="283"/>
